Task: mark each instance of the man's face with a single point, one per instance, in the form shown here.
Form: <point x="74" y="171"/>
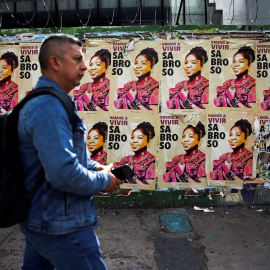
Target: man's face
<point x="72" y="67"/>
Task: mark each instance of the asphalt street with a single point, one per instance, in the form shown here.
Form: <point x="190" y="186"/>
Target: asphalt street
<point x="235" y="237"/>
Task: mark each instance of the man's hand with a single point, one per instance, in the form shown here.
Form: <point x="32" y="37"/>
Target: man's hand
<point x="100" y="167"/>
<point x="114" y="182"/>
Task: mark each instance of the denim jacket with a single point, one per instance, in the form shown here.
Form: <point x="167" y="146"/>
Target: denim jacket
<point x="64" y="203"/>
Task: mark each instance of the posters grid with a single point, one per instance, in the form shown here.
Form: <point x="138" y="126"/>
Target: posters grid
<point x="182" y="113"/>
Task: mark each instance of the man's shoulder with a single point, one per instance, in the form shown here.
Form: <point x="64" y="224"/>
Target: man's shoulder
<point x="42" y="102"/>
<point x="44" y="105"/>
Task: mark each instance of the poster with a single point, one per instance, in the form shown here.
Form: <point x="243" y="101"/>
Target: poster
<point x="29" y="68"/>
<point x="230" y="143"/>
<point x="184" y="76"/>
<point x="181" y="154"/>
<point x="135" y="75"/>
<point x="9" y="70"/>
<point x="96" y="135"/>
<point x="262" y="146"/>
<point x="233" y="74"/>
<point x="93" y="93"/>
<point x="132" y="140"/>
<point x="263" y="76"/>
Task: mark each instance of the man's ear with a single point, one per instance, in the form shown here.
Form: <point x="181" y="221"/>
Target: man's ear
<point x="54" y="62"/>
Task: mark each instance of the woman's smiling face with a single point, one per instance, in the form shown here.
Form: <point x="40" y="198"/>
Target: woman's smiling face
<point x="138" y="140"/>
<point x="5" y="69"/>
<point x="236" y="137"/>
<point x="239" y="64"/>
<point x="94" y="140"/>
<point x="192" y="65"/>
<point x="189" y="139"/>
<point x="141" y="65"/>
<point x="96" y="67"/>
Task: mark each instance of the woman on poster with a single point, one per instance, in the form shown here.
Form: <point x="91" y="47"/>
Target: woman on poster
<point x="241" y="91"/>
<point x="194" y="92"/>
<point x="239" y="162"/>
<point x="142" y="162"/>
<point x="8" y="88"/>
<point x="190" y="166"/>
<point x="142" y="93"/>
<point x="96" y="142"/>
<point x="94" y="96"/>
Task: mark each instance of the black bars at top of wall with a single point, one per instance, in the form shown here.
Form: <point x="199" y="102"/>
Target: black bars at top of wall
<point x="53" y="15"/>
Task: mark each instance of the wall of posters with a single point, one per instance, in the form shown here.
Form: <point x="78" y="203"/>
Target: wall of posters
<point x="182" y="113"/>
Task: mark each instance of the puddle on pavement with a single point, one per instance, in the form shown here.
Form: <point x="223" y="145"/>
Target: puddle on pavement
<point x="175" y="223"/>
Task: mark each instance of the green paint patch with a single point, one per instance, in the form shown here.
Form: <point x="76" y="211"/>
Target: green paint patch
<point x="175" y="223"/>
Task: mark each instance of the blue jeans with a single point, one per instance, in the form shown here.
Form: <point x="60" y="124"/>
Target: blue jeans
<point x="78" y="250"/>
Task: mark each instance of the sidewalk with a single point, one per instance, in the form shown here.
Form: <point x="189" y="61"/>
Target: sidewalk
<point x="235" y="238"/>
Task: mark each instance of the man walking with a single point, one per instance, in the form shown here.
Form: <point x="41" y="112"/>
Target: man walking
<point x="59" y="227"/>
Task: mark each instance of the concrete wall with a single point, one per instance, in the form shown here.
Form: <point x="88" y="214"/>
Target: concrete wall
<point x="244" y="11"/>
<point x="250" y="195"/>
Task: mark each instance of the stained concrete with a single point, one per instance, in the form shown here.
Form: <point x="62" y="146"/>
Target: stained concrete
<point x="234" y="237"/>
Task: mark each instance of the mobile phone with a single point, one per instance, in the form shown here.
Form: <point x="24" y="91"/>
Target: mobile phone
<point x="123" y="172"/>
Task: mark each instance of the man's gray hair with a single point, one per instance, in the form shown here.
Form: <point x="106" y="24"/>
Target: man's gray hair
<point x="55" y="44"/>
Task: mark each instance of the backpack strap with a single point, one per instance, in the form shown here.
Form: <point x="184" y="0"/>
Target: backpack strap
<point x="65" y="100"/>
<point x="69" y="107"/>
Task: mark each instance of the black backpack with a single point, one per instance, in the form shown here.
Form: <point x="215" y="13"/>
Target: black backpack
<point x="14" y="200"/>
